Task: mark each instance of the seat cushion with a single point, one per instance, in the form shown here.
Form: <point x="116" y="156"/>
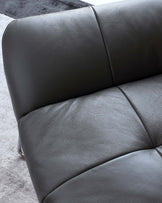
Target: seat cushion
<point x="98" y="147"/>
<point x="146" y="98"/>
<point x="135" y="177"/>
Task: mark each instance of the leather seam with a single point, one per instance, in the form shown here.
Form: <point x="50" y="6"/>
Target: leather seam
<point x="138" y="114"/>
<point x="91" y="168"/>
<point x="73" y="4"/>
<point x="157" y="150"/>
<point x="105" y="46"/>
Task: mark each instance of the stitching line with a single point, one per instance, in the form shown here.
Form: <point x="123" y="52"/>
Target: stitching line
<point x="90" y="168"/>
<point x="158" y="151"/>
<point x="138" y="114"/>
<point x="105" y="45"/>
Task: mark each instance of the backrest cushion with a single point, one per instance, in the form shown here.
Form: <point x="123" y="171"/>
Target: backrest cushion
<point x="54" y="57"/>
<point x="132" y="30"/>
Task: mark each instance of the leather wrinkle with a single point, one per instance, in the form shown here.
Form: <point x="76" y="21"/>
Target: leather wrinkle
<point x="105" y="45"/>
<point x="93" y="167"/>
<point x="138" y="114"/>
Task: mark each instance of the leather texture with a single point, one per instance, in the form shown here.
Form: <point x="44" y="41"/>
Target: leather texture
<point x="70" y="138"/>
<point x="66" y="50"/>
<point x="113" y="182"/>
<point x="86" y="87"/>
<point x="132" y="31"/>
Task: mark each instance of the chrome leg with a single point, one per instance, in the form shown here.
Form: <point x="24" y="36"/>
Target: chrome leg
<point x="20" y="150"/>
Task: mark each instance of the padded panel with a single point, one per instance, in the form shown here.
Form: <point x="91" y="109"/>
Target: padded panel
<point x="146" y="97"/>
<point x="54" y="57"/>
<point x="57" y="57"/>
<point x="135" y="177"/>
<point x="63" y="140"/>
<point x="132" y="31"/>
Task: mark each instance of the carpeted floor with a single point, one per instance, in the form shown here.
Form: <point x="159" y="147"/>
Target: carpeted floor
<point x="24" y="8"/>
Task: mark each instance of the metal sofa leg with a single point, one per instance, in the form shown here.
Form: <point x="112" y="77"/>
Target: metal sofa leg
<point x="20" y="150"/>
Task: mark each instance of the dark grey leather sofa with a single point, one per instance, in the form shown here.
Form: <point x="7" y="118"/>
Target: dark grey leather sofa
<point x="86" y="87"/>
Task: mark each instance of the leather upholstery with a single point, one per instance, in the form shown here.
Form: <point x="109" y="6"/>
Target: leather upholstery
<point x="113" y="182"/>
<point x="70" y="138"/>
<point x="86" y="87"/>
<point x="65" y="50"/>
<point x="132" y="34"/>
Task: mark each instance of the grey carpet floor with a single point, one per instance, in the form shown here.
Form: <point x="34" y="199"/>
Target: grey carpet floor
<point x="15" y="183"/>
<point x="24" y="8"/>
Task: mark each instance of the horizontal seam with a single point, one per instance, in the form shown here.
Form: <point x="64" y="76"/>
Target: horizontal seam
<point x="75" y="4"/>
<point x="159" y="145"/>
<point x="89" y="169"/>
<point x="138" y="114"/>
<point x="50" y="104"/>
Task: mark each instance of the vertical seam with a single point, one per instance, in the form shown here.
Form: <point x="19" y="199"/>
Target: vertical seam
<point x="158" y="151"/>
<point x="138" y="114"/>
<point x="105" y="46"/>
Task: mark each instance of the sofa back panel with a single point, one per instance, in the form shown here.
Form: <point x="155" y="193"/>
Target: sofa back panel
<point x="54" y="57"/>
<point x="133" y="35"/>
